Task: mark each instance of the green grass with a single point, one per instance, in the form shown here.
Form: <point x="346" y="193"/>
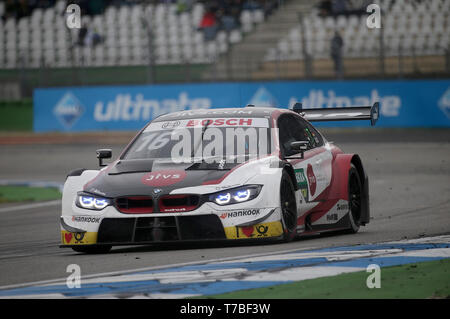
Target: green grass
<point x="16" y="115"/>
<point x="24" y="194"/>
<point x="421" y="280"/>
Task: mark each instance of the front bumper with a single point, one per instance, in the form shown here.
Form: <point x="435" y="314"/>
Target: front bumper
<point x="147" y="230"/>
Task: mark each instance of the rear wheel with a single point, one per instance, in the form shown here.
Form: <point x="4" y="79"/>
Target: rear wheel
<point x="288" y="207"/>
<point x="92" y="249"/>
<point x="354" y="199"/>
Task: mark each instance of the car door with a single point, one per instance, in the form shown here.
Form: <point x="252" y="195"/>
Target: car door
<point x="313" y="172"/>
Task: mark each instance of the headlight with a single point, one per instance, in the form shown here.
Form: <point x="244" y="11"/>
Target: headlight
<point x="235" y="195"/>
<point x="88" y="201"/>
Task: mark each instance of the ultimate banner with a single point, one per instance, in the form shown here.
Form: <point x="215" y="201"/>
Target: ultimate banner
<point x="421" y="103"/>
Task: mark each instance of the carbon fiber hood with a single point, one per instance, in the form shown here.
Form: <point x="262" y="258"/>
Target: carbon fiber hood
<point x="142" y="177"/>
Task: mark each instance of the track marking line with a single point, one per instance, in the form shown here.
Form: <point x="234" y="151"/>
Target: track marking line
<point x="205" y="276"/>
<point x="146" y="269"/>
<point x="442" y="238"/>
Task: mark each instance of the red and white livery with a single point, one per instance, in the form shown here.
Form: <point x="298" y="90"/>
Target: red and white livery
<point x="220" y="174"/>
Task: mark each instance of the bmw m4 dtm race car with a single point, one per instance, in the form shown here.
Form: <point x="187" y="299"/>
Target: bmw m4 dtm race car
<point x="220" y="174"/>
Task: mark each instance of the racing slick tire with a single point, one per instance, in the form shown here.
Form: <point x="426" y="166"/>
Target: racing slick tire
<point x="288" y="207"/>
<point x="355" y="191"/>
<point x="92" y="250"/>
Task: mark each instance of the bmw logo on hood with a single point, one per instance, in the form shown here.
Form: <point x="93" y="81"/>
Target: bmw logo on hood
<point x="157" y="190"/>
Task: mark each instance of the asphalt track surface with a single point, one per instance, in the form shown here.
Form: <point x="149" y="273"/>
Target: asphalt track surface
<point x="409" y="173"/>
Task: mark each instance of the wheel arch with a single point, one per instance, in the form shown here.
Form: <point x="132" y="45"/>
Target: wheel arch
<point x="76" y="172"/>
<point x="365" y="209"/>
<point x="356" y="161"/>
<point x="344" y="162"/>
<point x="290" y="170"/>
<point x="75" y="182"/>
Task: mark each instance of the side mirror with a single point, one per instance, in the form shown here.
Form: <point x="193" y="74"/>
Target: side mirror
<point x="103" y="154"/>
<point x="299" y="147"/>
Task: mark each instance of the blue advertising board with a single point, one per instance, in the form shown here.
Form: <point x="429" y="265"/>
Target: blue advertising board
<point x="414" y="103"/>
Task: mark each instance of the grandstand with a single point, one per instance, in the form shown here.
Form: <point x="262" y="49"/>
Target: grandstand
<point x="410" y="29"/>
<point x="271" y="39"/>
<point x="422" y="29"/>
<point x="132" y="35"/>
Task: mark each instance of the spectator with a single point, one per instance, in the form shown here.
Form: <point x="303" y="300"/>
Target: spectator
<point x="208" y="25"/>
<point x="82" y="36"/>
<point x="336" y="54"/>
<point x="88" y="37"/>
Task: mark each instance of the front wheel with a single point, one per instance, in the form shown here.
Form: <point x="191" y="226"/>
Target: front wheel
<point x="288" y="207"/>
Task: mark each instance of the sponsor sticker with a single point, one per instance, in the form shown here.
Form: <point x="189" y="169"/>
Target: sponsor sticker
<point x="263" y="230"/>
<point x="302" y="182"/>
<point x="163" y="178"/>
<point x="86" y="219"/>
<point x="211" y="122"/>
<point x="68" y="238"/>
<point x="444" y="103"/>
<point x="170" y="124"/>
<point x="332" y="217"/>
<point x="311" y="179"/>
<point x="68" y="110"/>
<point x="221" y="122"/>
<point x="240" y="213"/>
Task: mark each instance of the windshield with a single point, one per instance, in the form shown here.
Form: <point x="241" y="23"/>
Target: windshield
<point x="210" y="140"/>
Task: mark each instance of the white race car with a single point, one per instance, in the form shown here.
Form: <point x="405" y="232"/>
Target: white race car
<point x="219" y="174"/>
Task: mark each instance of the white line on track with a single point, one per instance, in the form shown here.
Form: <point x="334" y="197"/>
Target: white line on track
<point x="445" y="238"/>
<point x="124" y="272"/>
<point x="30" y="206"/>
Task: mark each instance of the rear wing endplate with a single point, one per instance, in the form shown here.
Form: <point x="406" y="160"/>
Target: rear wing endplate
<point x="339" y="113"/>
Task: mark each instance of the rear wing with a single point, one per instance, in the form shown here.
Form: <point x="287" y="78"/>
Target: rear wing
<point x="339" y="113"/>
